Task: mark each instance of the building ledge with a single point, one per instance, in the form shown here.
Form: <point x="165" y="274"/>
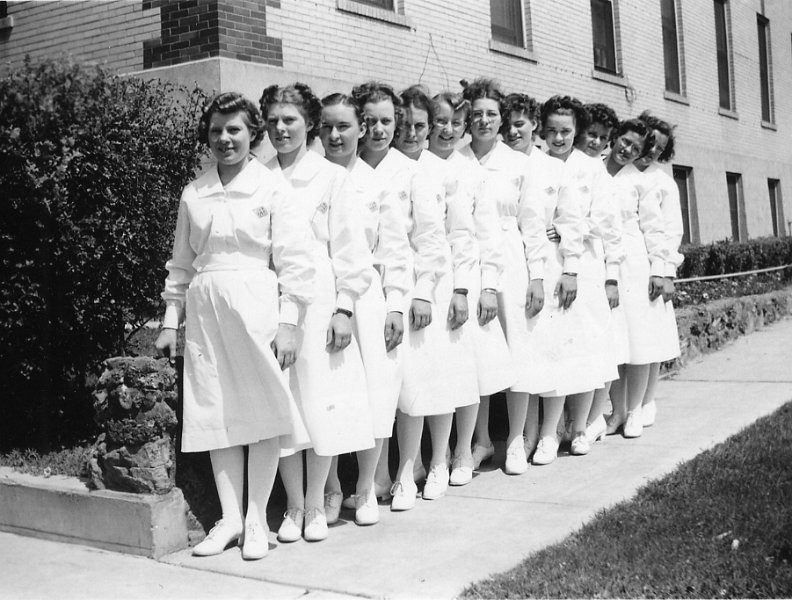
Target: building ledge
<point x="674" y="97"/>
<point x="612" y="78"/>
<point x="731" y="114"/>
<point x="515" y="51"/>
<point x="769" y="125"/>
<point x="7" y="23"/>
<point x="372" y="12"/>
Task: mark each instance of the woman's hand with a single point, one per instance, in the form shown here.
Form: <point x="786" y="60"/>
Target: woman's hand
<point x="420" y="313"/>
<point x="534" y="299"/>
<point x="458" y="311"/>
<point x="166" y="343"/>
<point x="285" y="345"/>
<point x="566" y="290"/>
<point x="487" y="306"/>
<point x="669" y="289"/>
<point x="612" y="293"/>
<point x="394" y="330"/>
<point x="552" y="234"/>
<point x="339" y="334"/>
<point x="655" y="287"/>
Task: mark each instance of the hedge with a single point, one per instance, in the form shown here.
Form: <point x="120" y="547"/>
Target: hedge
<point x="727" y="256"/>
<point x="91" y="168"/>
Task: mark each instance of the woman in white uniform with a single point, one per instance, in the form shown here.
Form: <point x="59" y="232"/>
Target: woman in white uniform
<point x="328" y="380"/>
<point x="377" y="329"/>
<point x="399" y="177"/>
<point x="661" y="152"/>
<point x="232" y="220"/>
<point x="478" y="265"/>
<point x="524" y="247"/>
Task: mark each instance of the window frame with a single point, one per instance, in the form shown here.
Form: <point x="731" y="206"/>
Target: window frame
<point x="611" y="37"/>
<point x="723" y="54"/>
<point x="734" y="190"/>
<point x="683" y="177"/>
<point x="776" y="207"/>
<point x="765" y="69"/>
<point x="516" y="35"/>
<point x="672" y="45"/>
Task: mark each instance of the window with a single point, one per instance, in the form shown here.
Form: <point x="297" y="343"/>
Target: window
<point x="385" y="4"/>
<point x="683" y="176"/>
<point x="506" y="21"/>
<point x="604" y="36"/>
<point x="736" y="206"/>
<point x="722" y="45"/>
<point x="763" y="35"/>
<point x="673" y="78"/>
<point x="776" y="207"/>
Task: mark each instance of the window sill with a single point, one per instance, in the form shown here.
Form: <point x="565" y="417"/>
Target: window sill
<point x="613" y="78"/>
<point x="7" y="23"/>
<point x="769" y="125"/>
<point x="515" y="51"/>
<point x="372" y="12"/>
<point x="674" y="97"/>
<point x="725" y="112"/>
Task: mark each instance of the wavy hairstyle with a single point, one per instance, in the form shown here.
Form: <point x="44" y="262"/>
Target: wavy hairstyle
<point x="636" y="126"/>
<point x="520" y="103"/>
<point x="664" y="127"/>
<point x="417" y="96"/>
<point x="226" y="104"/>
<point x="603" y="114"/>
<point x="301" y="96"/>
<point x="565" y="105"/>
<point x="340" y="98"/>
<point x="483" y="88"/>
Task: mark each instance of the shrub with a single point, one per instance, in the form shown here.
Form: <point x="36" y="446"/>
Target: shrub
<point x="725" y="256"/>
<point x="91" y="168"/>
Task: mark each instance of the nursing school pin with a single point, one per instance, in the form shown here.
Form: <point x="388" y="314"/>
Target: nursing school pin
<point x="549" y="190"/>
<point x="260" y="212"/>
<point x="322" y="208"/>
<point x="402" y="195"/>
<point x="372" y="206"/>
<point x="439" y="198"/>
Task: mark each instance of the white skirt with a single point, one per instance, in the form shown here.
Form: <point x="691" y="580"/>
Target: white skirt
<point x="383" y="369"/>
<point x="494" y="366"/>
<point x="330" y="388"/>
<point x="234" y="390"/>
<point x="439" y="369"/>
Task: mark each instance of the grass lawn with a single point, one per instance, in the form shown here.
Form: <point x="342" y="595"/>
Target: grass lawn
<point x="68" y="461"/>
<point x="720" y="526"/>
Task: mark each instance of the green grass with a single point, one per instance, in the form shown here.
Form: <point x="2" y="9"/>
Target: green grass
<point x="720" y="526"/>
<point x="68" y="461"/>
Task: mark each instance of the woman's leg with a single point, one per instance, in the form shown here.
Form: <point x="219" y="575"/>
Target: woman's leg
<point x="368" y="461"/>
<point x="262" y="467"/>
<point x="649" y="408"/>
<point x="382" y="477"/>
<point x="437" y="478"/>
<point x="483" y="449"/>
<point x="517" y="408"/>
<point x="618" y="397"/>
<point x="637" y="379"/>
<point x="408" y="432"/>
<point x="317" y="468"/>
<point x="531" y="429"/>
<point x="466" y="418"/>
<point x="595" y="424"/>
<point x="547" y="449"/>
<point x="291" y="472"/>
<point x="579" y="408"/>
<point x="228" y="467"/>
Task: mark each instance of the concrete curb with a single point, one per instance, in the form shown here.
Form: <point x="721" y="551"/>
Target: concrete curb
<point x="64" y="509"/>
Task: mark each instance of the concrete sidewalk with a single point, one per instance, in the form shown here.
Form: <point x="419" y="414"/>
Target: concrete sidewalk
<point x="438" y="548"/>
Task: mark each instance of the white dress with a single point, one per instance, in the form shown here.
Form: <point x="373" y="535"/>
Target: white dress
<point x="494" y="367"/>
<point x="564" y="352"/>
<point x="386" y="235"/>
<point x="234" y="390"/>
<point x="330" y="387"/>
<point x="644" y="245"/>
<point x="673" y="230"/>
<point x="523" y="247"/>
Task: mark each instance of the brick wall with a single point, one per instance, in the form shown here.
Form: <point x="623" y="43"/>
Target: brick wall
<point x="333" y="44"/>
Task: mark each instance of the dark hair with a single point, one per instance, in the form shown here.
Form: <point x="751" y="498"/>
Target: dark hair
<point x="417" y="96"/>
<point x="301" y="96"/>
<point x="521" y="103"/>
<point x="636" y="126"/>
<point x="663" y="127"/>
<point x="339" y="98"/>
<point x="374" y="91"/>
<point x="483" y="88"/>
<point x="226" y="104"/>
<point x="565" y="105"/>
<point x="602" y="113"/>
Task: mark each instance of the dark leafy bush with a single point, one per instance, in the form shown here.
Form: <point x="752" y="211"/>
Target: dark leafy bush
<point x="91" y="167"/>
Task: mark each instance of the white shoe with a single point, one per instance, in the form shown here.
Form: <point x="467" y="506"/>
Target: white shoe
<point x="315" y="525"/>
<point x="648" y="413"/>
<point x="633" y="426"/>
<point x="580" y="445"/>
<point x="403" y="496"/>
<point x="461" y="474"/>
<point x="292" y="525"/>
<point x="482" y="454"/>
<point x="546" y="450"/>
<point x="332" y="506"/>
<point x="366" y="509"/>
<point x="596" y="431"/>
<point x="218" y="539"/>
<point x="516" y="460"/>
<point x="256" y="544"/>
<point x="436" y="482"/>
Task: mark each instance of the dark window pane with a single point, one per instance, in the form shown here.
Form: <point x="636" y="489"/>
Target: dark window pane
<point x="733" y="184"/>
<point x="682" y="181"/>
<point x="670" y="47"/>
<point x="386" y="4"/>
<point x="764" y="67"/>
<point x="721" y="43"/>
<point x="506" y="21"/>
<point x="602" y="30"/>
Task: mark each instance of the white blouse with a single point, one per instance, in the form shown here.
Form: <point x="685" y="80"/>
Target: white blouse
<point x="641" y="210"/>
<point x="325" y="198"/>
<point x="239" y="226"/>
<point x="672" y="217"/>
<point x="420" y="200"/>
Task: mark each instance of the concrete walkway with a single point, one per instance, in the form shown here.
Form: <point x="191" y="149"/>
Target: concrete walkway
<point x="438" y="548"/>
